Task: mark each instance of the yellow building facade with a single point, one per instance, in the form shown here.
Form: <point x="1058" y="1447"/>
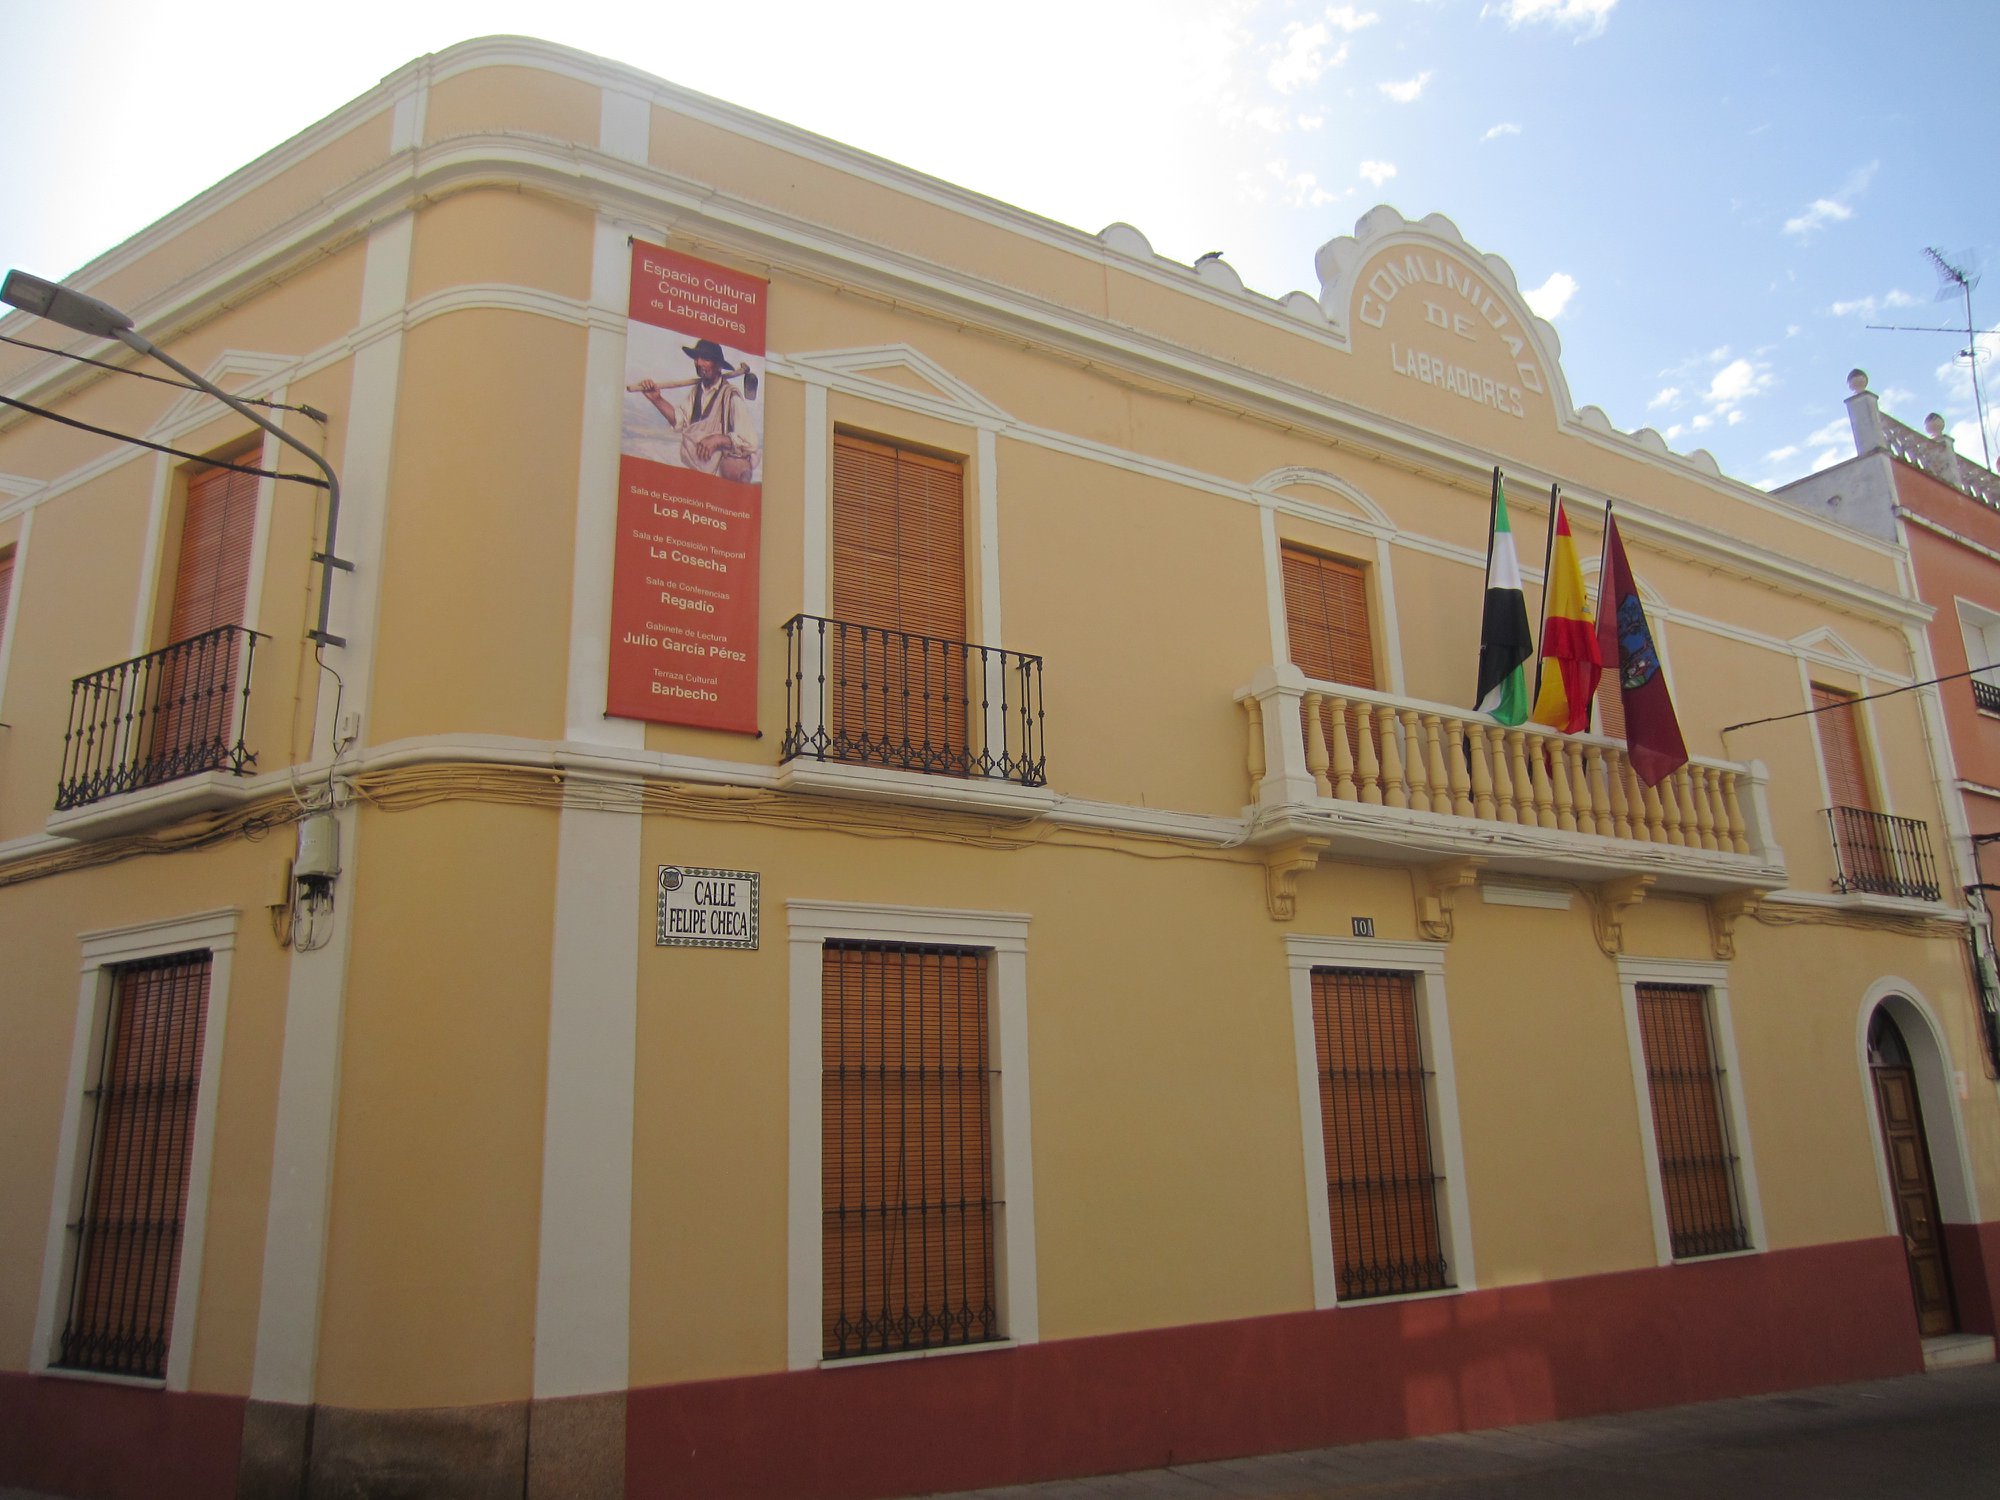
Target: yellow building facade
<point x="1096" y="1035"/>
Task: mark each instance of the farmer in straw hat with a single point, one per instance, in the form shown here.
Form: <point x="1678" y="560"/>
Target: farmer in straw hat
<point x="712" y="438"/>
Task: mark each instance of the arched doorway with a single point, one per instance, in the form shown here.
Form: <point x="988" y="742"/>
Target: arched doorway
<point x="1912" y="1182"/>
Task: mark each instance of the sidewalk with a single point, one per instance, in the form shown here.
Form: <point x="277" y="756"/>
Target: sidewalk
<point x="1936" y="1436"/>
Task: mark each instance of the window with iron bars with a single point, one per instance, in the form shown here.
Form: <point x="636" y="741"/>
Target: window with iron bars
<point x="907" y="1197"/>
<point x="1699" y="1176"/>
<point x="1375" y="1118"/>
<point x="127" y="1246"/>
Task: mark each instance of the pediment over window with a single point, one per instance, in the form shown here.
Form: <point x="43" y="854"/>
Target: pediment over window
<point x="1321" y="491"/>
<point x="242" y="373"/>
<point x="907" y="371"/>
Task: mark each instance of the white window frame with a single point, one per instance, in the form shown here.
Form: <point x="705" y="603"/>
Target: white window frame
<point x="813" y="924"/>
<point x="213" y="932"/>
<point x="1714" y="979"/>
<point x="1980" y="628"/>
<point x="1425" y="962"/>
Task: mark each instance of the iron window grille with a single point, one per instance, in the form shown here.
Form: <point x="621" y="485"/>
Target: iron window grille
<point x="1699" y="1175"/>
<point x="1882" y="855"/>
<point x="1986" y="695"/>
<point x="171" y="713"/>
<point x="862" y="694"/>
<point x="1375" y="1121"/>
<point x="907" y="1199"/>
<point x="127" y="1246"/>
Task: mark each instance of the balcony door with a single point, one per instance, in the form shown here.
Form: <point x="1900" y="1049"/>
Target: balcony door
<point x="1865" y="861"/>
<point x="896" y="657"/>
<point x="195" y="680"/>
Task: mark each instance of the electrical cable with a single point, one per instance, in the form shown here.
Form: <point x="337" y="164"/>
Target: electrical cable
<point x="124" y="437"/>
<point x="104" y="364"/>
<point x="1910" y="687"/>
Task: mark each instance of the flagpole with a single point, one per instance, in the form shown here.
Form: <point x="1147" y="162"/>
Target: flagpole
<point x="1548" y="561"/>
<point x="1603" y="562"/>
<point x="1492" y="515"/>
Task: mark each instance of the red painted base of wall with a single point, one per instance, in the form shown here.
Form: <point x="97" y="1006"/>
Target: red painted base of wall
<point x="1973" y="1253"/>
<point x="1127" y="1401"/>
<point x="117" y="1442"/>
<point x="1659" y="1337"/>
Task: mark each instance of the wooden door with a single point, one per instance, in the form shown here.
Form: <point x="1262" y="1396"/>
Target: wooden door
<point x="194" y="691"/>
<point x="1916" y="1198"/>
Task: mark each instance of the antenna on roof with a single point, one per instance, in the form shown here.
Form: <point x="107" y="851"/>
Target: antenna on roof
<point x="1954" y="276"/>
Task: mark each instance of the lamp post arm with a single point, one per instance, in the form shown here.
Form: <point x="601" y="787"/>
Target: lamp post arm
<point x="327" y="559"/>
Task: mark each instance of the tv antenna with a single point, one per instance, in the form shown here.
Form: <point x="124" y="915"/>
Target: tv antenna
<point x="1955" y="276"/>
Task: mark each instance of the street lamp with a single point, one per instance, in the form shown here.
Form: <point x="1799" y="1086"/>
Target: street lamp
<point x="73" y="309"/>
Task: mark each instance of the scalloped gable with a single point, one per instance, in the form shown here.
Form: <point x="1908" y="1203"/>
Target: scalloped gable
<point x="1457" y="317"/>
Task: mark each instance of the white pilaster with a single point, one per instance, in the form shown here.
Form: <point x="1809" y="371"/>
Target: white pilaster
<point x="583" y="1287"/>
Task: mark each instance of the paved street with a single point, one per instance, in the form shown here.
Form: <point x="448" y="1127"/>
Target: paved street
<point x="1931" y="1436"/>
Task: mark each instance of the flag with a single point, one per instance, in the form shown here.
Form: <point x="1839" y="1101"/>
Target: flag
<point x="1652" y="733"/>
<point x="1505" y="642"/>
<point x="1571" y="661"/>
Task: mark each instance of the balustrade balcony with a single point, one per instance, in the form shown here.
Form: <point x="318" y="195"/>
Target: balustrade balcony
<point x="1409" y="782"/>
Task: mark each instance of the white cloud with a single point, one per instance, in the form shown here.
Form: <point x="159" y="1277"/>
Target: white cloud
<point x="1702" y="423"/>
<point x="1827" y="459"/>
<point x="1737" y="379"/>
<point x="1824" y="211"/>
<point x="1591" y="14"/>
<point x="1792" y="330"/>
<point x="1837" y="208"/>
<point x="1378" y="172"/>
<point x="1550" y="298"/>
<point x="1300" y="189"/>
<point x="1505" y="127"/>
<point x="1836" y="431"/>
<point x="1898" y="298"/>
<point x="1301" y="58"/>
<point x="1310" y="122"/>
<point x="1409" y="90"/>
<point x="1779" y="455"/>
<point x="1267" y="117"/>
<point x="1863" y="305"/>
<point x="1666" y="398"/>
<point x="1735" y="415"/>
<point x="1896" y="398"/>
<point x="1350" y="20"/>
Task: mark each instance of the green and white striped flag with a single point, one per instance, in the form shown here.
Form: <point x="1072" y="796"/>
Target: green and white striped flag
<point x="1506" y="643"/>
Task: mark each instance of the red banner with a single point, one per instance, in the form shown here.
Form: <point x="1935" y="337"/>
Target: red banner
<point x="690" y="496"/>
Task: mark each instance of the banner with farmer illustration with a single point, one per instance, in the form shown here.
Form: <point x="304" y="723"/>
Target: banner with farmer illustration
<point x="690" y="496"/>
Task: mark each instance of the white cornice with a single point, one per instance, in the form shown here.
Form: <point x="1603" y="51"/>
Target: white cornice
<point x="1119" y="245"/>
<point x="578" y="174"/>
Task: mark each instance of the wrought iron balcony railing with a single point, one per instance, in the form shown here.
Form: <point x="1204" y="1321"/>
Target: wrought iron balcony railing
<point x="171" y="713"/>
<point x="1986" y="694"/>
<point x="1882" y="855"/>
<point x="864" y="695"/>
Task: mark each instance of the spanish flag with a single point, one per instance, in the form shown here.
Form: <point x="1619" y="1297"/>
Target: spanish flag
<point x="1571" y="663"/>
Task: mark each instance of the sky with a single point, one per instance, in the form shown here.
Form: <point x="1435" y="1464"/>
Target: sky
<point x="1710" y="200"/>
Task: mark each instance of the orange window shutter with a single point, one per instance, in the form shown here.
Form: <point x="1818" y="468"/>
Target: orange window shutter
<point x="1840" y="745"/>
<point x="898" y="539"/>
<point x="906" y="1150"/>
<point x="1697" y="1165"/>
<point x="212" y="584"/>
<point x="1326" y="618"/>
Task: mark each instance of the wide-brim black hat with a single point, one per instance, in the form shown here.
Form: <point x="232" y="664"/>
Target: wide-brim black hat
<point x="707" y="349"/>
